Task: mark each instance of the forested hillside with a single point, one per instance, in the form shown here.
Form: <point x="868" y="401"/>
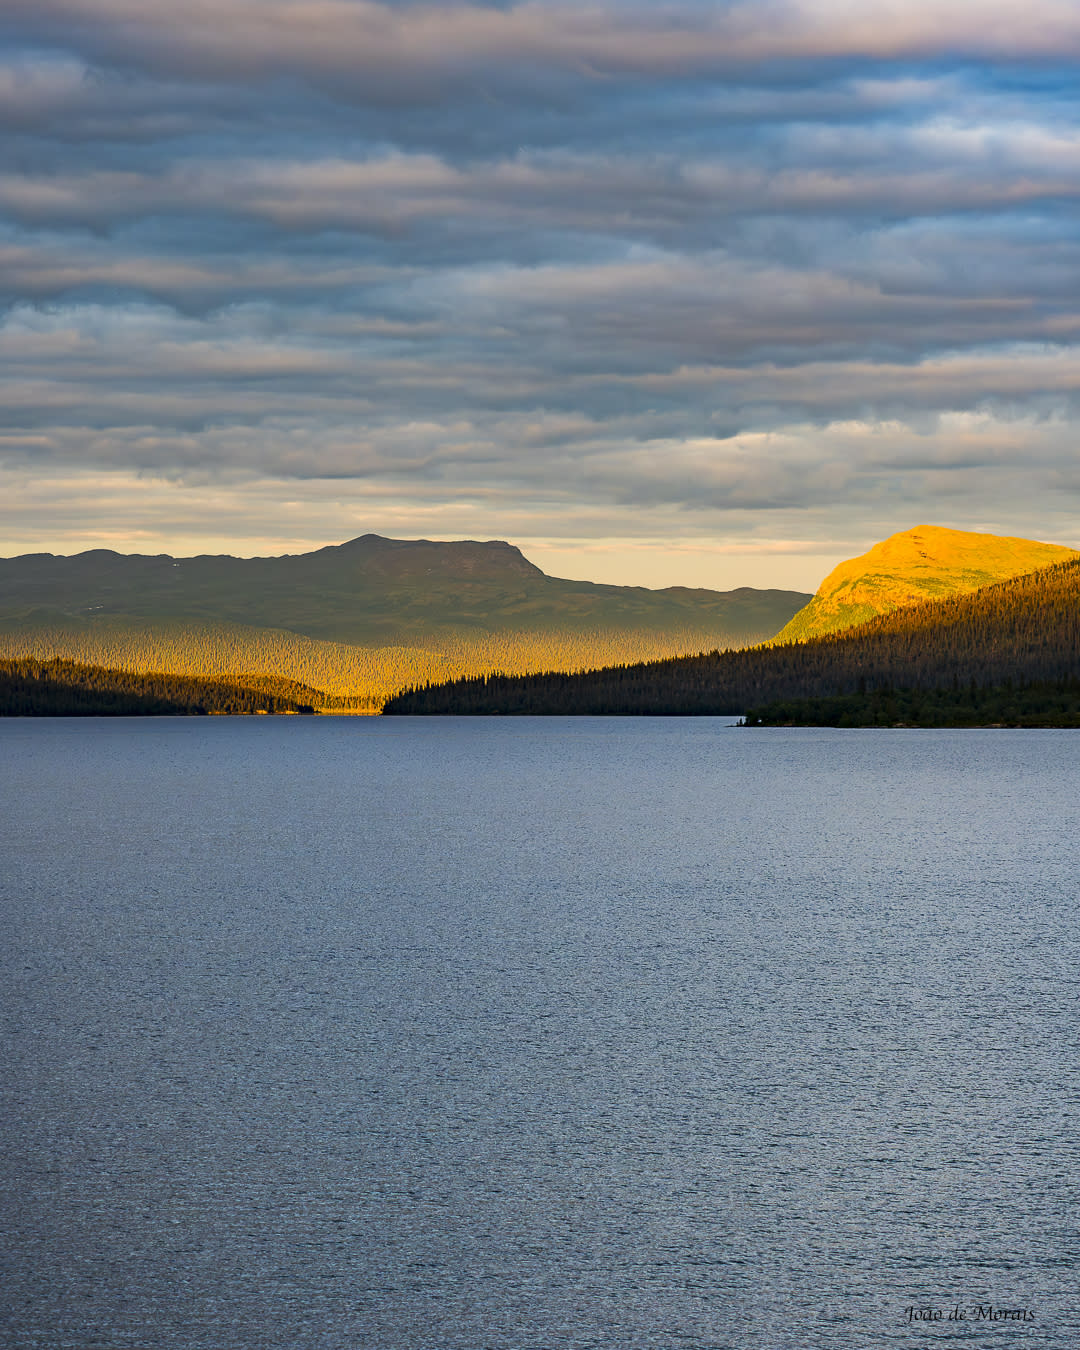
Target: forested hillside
<point x="357" y="679"/>
<point x="1024" y="630"/>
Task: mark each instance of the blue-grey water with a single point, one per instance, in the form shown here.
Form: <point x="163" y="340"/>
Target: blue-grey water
<point x="443" y="1034"/>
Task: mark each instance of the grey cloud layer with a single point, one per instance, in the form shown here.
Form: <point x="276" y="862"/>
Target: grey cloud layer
<point x="718" y="258"/>
<point x="373" y="45"/>
<point x="898" y="178"/>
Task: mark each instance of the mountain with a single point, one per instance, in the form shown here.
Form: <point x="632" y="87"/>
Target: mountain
<point x="373" y="592"/>
<point x="358" y="620"/>
<point x="926" y="563"/>
<point x="1022" y="631"/>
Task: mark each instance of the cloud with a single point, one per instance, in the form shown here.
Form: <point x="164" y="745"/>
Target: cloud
<point x="367" y="50"/>
<point x="934" y="168"/>
<point x="605" y="269"/>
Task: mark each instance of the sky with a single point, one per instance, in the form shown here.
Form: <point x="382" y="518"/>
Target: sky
<point x="709" y="294"/>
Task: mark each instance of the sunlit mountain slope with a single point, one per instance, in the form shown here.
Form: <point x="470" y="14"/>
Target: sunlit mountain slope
<point x="928" y="562"/>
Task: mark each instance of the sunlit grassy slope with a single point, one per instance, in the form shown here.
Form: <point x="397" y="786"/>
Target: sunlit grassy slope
<point x="361" y="620"/>
<point x="928" y="562"/>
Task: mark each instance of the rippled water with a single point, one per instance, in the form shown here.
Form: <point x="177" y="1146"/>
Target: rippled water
<point x="427" y="1034"/>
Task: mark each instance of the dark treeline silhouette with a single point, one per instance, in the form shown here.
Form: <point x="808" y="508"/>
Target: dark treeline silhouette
<point x="1048" y="703"/>
<point x="1023" y="630"/>
<point x="32" y="688"/>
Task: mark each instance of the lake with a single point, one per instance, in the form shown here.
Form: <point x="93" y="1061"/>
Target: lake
<point x="440" y="1034"/>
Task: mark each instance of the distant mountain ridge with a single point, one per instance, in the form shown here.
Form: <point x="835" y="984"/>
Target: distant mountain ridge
<point x="929" y="562"/>
<point x="374" y="591"/>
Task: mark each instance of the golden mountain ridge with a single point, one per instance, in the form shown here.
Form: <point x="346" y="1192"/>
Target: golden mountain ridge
<point x="929" y="562"/>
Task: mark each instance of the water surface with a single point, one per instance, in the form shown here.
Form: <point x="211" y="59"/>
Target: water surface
<point x="437" y="1034"/>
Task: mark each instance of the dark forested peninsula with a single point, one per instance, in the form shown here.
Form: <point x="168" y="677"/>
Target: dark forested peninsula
<point x="30" y="688"/>
<point x="1025" y="630"/>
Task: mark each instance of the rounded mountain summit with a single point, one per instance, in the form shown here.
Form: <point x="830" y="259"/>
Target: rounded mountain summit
<point x="928" y="562"/>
